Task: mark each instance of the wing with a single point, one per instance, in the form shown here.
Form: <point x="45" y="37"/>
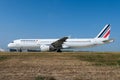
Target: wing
<point x="58" y="44"/>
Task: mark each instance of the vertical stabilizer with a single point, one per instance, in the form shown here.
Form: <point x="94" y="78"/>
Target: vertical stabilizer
<point x="105" y="32"/>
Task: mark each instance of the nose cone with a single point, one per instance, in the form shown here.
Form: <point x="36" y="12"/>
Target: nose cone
<point x="10" y="45"/>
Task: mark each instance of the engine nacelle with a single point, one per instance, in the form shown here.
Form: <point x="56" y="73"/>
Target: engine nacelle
<point x="45" y="48"/>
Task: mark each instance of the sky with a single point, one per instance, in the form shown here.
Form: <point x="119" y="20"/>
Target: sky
<point x="21" y="19"/>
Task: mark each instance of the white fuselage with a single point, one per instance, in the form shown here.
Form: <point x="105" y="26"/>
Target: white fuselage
<point x="70" y="43"/>
<point x="62" y="43"/>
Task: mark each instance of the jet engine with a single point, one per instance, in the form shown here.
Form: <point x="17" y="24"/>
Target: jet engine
<point x="44" y="48"/>
<point x="47" y="48"/>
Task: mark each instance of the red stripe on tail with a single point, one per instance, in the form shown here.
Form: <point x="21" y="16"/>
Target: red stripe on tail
<point x="107" y="34"/>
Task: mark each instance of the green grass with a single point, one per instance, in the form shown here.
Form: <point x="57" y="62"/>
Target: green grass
<point x="44" y="78"/>
<point x="101" y="59"/>
<point x="95" y="58"/>
<point x="3" y="58"/>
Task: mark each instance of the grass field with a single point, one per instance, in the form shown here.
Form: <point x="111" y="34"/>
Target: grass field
<point x="60" y="66"/>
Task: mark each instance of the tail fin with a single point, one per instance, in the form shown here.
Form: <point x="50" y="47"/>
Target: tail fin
<point x="105" y="32"/>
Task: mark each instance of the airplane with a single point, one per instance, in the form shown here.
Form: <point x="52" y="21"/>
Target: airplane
<point x="59" y="44"/>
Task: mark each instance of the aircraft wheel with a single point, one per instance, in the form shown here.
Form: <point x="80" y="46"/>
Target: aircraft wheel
<point x="59" y="50"/>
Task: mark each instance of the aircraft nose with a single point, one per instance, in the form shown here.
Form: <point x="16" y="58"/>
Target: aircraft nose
<point x="10" y="45"/>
